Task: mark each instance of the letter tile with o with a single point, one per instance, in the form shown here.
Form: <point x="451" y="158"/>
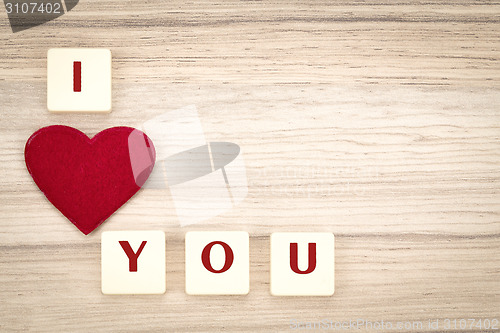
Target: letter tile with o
<point x="217" y="263"/>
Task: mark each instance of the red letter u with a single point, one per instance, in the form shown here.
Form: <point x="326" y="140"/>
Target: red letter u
<point x="294" y="260"/>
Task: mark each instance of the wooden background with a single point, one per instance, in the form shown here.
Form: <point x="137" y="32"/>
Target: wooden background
<point x="378" y="121"/>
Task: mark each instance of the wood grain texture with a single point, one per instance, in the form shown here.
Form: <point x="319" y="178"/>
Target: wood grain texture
<point x="378" y="121"/>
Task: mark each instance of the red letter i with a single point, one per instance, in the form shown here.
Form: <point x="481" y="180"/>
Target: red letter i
<point x="77" y="76"/>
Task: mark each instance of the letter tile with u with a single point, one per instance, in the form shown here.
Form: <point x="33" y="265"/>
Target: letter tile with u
<point x="302" y="264"/>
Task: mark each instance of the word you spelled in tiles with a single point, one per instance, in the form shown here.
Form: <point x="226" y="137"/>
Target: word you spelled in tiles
<point x="218" y="263"/>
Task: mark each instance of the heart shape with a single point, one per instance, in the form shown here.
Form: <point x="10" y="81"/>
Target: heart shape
<point x="89" y="179"/>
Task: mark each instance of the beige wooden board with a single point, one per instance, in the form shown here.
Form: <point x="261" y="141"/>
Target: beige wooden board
<point x="378" y="121"/>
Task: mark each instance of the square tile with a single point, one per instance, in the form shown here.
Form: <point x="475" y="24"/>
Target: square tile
<point x="79" y="80"/>
<point x="217" y="263"/>
<point x="302" y="264"/>
<point x="133" y="262"/>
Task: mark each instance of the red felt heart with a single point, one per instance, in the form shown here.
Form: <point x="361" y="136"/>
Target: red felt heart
<point x="89" y="179"/>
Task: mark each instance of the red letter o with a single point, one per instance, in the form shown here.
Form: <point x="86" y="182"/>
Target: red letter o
<point x="205" y="257"/>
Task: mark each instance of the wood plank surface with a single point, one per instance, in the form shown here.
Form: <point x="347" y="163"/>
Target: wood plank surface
<point x="378" y="121"/>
